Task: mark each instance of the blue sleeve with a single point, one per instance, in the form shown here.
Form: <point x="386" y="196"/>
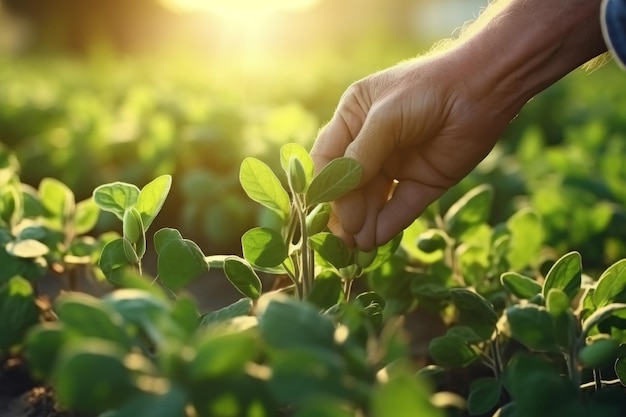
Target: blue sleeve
<point x="613" y="20"/>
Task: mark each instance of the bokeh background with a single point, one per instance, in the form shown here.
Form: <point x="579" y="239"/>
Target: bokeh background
<point x="114" y="90"/>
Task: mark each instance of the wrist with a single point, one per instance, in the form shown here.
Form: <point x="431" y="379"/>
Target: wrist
<point x="527" y="46"/>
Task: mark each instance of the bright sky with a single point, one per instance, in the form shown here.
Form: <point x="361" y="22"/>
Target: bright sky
<point x="232" y="8"/>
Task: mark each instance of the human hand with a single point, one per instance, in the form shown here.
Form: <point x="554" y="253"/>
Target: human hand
<point x="416" y="129"/>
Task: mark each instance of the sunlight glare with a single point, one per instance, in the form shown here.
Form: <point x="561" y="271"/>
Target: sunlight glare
<point x="233" y="8"/>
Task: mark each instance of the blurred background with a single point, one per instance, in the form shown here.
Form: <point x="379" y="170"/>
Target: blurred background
<point x="99" y="91"/>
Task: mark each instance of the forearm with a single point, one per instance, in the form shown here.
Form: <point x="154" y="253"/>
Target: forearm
<point x="527" y="45"/>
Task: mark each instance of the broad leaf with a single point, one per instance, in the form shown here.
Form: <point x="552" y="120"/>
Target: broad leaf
<point x="601" y="314"/>
<point x="557" y="302"/>
<point x="222" y="355"/>
<point x="451" y="351"/>
<point x="565" y="275"/>
<point x="600" y="353"/>
<point x="116" y="197"/>
<point x="151" y="199"/>
<point x="327" y="290"/>
<point x="620" y="370"/>
<point x="520" y="285"/>
<point x="113" y="260"/>
<point x="241" y="307"/>
<point x="261" y="185"/>
<point x="332" y="249"/>
<point x="533" y="326"/>
<point x="484" y="395"/>
<point x="403" y="396"/>
<point x="171" y="402"/>
<point x="264" y="247"/>
<point x="180" y="262"/>
<point x="242" y="276"/>
<point x="164" y="236"/>
<point x="86" y="218"/>
<point x="611" y="287"/>
<point x="28" y="248"/>
<point x="57" y="199"/>
<point x="43" y="345"/>
<point x="18" y="310"/>
<point x="476" y="312"/>
<point x="334" y="180"/>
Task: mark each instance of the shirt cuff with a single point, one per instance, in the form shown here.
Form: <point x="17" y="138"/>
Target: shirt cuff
<point x="613" y="20"/>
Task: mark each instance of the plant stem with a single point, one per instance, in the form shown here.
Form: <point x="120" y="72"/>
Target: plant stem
<point x="305" y="272"/>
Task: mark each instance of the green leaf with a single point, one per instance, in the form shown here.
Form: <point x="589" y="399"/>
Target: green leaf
<point x="317" y="219"/>
<point x="242" y="276"/>
<point x="152" y="197"/>
<point x="137" y="306"/>
<point x="469" y="211"/>
<point x="476" y="311"/>
<point x="297" y="176"/>
<point x="520" y="285"/>
<point x="264" y="247"/>
<point x="620" y="369"/>
<point x="286" y="323"/>
<point x="164" y="236"/>
<point x="296" y="150"/>
<point x="116" y="197"/>
<point x="332" y="249"/>
<point x="27" y="248"/>
<point x="466" y="333"/>
<point x="90" y="317"/>
<point x="87" y="214"/>
<point x="261" y="185"/>
<point x="113" y="260"/>
<point x="56" y="198"/>
<point x="19" y="312"/>
<point x="451" y="351"/>
<point x="557" y="302"/>
<point x="484" y="395"/>
<point x="327" y="290"/>
<point x="180" y="262"/>
<point x="384" y="253"/>
<point x="92" y="377"/>
<point x="132" y="225"/>
<point x="565" y="275"/>
<point x="533" y="326"/>
<point x="242" y="307"/>
<point x="600" y="353"/>
<point x="611" y="287"/>
<point x="601" y="314"/>
<point x="526" y="241"/>
<point x="334" y="180"/>
<point x="403" y="396"/>
<point x="222" y="355"/>
<point x="43" y="344"/>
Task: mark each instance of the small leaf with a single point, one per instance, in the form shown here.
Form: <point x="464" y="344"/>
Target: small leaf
<point x="164" y="236"/>
<point x="557" y="302"/>
<point x="261" y="185"/>
<point x="327" y="290"/>
<point x="242" y="276"/>
<point x="469" y="211"/>
<point x="87" y="214"/>
<point x="451" y="351"/>
<point x="533" y="326"/>
<point x="57" y="198"/>
<point x="565" y="274"/>
<point x="129" y="251"/>
<point x="241" y="307"/>
<point x="484" y="395"/>
<point x="222" y="355"/>
<point x="264" y="247"/>
<point x="296" y="150"/>
<point x="403" y="396"/>
<point x="296" y="176"/>
<point x="116" y="197"/>
<point x="317" y="219"/>
<point x="152" y="197"/>
<point x="601" y="353"/>
<point x="476" y="311"/>
<point x="132" y="225"/>
<point x="18" y="310"/>
<point x="28" y="248"/>
<point x="519" y="285"/>
<point x="43" y="345"/>
<point x="611" y="286"/>
<point x="466" y="333"/>
<point x="180" y="262"/>
<point x="113" y="260"/>
<point x="169" y="403"/>
<point x="332" y="248"/>
<point x="334" y="180"/>
<point x="384" y="253"/>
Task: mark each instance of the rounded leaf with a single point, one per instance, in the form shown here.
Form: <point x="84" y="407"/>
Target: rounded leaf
<point x="565" y="274"/>
<point x="600" y="353"/>
<point x="180" y="262"/>
<point x="484" y="395"/>
<point x="242" y="276"/>
<point x="520" y="285"/>
<point x="264" y="247"/>
<point x="334" y="180"/>
<point x="451" y="351"/>
<point x="261" y="185"/>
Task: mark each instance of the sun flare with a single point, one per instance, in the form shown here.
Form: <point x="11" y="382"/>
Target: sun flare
<point x="234" y="8"/>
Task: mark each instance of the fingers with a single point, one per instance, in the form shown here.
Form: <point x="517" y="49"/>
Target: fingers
<point x="331" y="142"/>
<point x="407" y="203"/>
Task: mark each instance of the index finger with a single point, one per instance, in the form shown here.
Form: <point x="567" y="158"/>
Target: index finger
<point x="331" y="143"/>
